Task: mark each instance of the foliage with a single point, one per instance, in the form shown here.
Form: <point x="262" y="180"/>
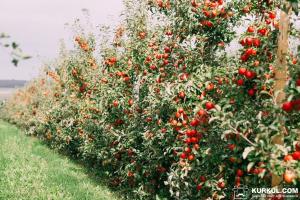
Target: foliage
<point x="16" y="52"/>
<point x="167" y="111"/>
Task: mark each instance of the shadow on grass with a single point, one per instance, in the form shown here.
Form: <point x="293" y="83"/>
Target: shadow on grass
<point x="92" y="168"/>
<point x="63" y="171"/>
<point x="94" y="171"/>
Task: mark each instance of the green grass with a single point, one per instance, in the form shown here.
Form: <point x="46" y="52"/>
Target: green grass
<point x="29" y="170"/>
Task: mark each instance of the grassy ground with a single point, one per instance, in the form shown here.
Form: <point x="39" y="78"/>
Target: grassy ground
<point x="31" y="171"/>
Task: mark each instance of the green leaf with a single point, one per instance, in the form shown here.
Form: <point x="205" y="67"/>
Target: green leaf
<point x="14" y="45"/>
<point x="212" y="119"/>
<point x="295" y="6"/>
<point x="15" y="62"/>
<point x="250" y="165"/>
<point x="27" y="57"/>
<point x="247" y="151"/>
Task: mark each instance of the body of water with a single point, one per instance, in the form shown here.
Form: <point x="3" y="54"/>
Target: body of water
<point x="6" y="92"/>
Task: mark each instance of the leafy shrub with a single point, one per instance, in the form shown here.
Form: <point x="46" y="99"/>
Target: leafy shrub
<point x="167" y="111"/>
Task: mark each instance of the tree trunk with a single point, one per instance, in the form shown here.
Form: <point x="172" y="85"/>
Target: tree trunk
<point x="281" y="73"/>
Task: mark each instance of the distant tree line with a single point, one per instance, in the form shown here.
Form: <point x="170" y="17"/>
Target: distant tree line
<point x="12" y="83"/>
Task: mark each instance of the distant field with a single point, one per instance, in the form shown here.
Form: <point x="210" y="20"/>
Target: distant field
<point x="6" y="92"/>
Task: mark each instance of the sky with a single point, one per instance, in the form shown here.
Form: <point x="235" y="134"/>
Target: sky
<point x="38" y="26"/>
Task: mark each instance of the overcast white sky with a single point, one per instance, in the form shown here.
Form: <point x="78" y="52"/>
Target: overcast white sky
<point x="38" y="26"/>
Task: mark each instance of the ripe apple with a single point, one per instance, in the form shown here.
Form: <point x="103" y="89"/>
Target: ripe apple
<point x="287" y="106"/>
<point x="296" y="155"/>
<point x="289" y="176"/>
<point x="209" y="105"/>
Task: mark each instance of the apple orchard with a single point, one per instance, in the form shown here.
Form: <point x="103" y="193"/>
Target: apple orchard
<point x="187" y="100"/>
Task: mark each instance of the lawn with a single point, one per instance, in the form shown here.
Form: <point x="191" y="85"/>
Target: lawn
<point x="30" y="170"/>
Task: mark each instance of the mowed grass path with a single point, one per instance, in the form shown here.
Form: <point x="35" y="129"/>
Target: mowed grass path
<point x="31" y="171"/>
